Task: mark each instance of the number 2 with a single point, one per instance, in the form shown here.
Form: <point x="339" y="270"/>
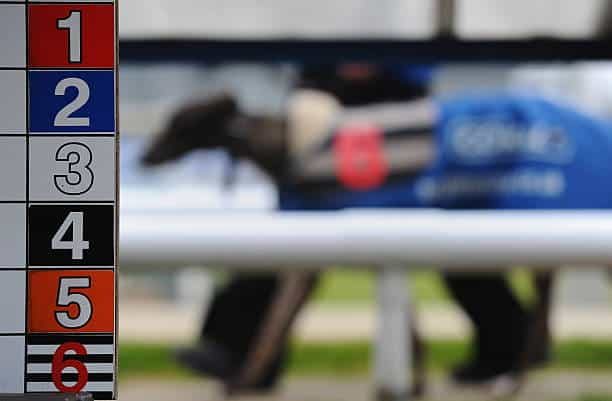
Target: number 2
<point x="66" y="297"/>
<point x="77" y="245"/>
<point x="73" y="24"/>
<point x="64" y="116"/>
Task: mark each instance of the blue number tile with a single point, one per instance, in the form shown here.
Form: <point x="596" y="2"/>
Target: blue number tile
<point x="72" y="101"/>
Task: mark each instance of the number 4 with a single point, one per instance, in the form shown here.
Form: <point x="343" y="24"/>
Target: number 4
<point x="77" y="245"/>
<point x="73" y="24"/>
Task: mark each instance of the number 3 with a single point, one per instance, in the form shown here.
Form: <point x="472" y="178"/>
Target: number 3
<point x="64" y="117"/>
<point x="78" y="178"/>
<point x="77" y="245"/>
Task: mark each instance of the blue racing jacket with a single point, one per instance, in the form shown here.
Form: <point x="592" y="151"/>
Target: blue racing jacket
<point x="498" y="151"/>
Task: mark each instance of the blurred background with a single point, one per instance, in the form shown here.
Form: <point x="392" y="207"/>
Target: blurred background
<point x="161" y="309"/>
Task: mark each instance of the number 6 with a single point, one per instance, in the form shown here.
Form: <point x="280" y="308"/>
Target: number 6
<point x="58" y="365"/>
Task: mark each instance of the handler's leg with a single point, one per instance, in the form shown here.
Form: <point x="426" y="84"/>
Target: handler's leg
<point x="539" y="343"/>
<point x="232" y="323"/>
<point x="237" y="310"/>
<point x="500" y="323"/>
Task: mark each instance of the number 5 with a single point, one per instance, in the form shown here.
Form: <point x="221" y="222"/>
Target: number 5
<point x="77" y="245"/>
<point x="65" y="297"/>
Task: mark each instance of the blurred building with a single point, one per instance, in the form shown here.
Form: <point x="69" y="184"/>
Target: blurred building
<point x="359" y="18"/>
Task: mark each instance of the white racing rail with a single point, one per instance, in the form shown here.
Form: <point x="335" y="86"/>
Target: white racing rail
<point x="411" y="238"/>
<point x="389" y="240"/>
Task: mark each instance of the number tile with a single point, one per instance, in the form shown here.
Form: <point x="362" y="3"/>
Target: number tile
<point x="62" y="301"/>
<point x="71" y="363"/>
<point x="72" y="169"/>
<point x="73" y="235"/>
<point x="72" y="101"/>
<point x="71" y="36"/>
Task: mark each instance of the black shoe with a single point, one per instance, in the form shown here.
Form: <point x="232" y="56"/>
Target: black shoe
<point x="476" y="373"/>
<point x="212" y="360"/>
<point x="208" y="359"/>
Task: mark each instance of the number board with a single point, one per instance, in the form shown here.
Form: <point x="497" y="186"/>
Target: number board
<point x="58" y="192"/>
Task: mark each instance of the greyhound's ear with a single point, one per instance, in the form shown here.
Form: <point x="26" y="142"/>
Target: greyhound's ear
<point x="222" y="104"/>
<point x="196" y="116"/>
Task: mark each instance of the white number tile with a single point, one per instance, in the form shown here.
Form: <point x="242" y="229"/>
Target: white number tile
<point x="12" y="35"/>
<point x="12" y="305"/>
<point x="12" y="362"/>
<point x="12" y="169"/>
<point x="12" y="102"/>
<point x="12" y="236"/>
<point x="79" y="169"/>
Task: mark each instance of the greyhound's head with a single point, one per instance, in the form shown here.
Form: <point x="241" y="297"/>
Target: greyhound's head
<point x="199" y="125"/>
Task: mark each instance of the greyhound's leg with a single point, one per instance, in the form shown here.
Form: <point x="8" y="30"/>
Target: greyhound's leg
<point x="292" y="294"/>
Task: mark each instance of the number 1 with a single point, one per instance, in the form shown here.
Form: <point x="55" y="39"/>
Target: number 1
<point x="73" y="24"/>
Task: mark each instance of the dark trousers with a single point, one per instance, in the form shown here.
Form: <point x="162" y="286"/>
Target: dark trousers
<point x="500" y="321"/>
<point x="236" y="314"/>
<point x="237" y="311"/>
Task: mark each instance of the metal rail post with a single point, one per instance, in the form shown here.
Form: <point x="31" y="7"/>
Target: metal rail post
<point x="393" y="359"/>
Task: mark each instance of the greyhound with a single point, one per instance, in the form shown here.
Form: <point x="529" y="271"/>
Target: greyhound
<point x="320" y="149"/>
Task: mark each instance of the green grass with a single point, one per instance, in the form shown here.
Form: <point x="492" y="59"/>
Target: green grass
<point x="149" y="360"/>
<point x="358" y="287"/>
<point x="595" y="397"/>
<point x="353" y="358"/>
